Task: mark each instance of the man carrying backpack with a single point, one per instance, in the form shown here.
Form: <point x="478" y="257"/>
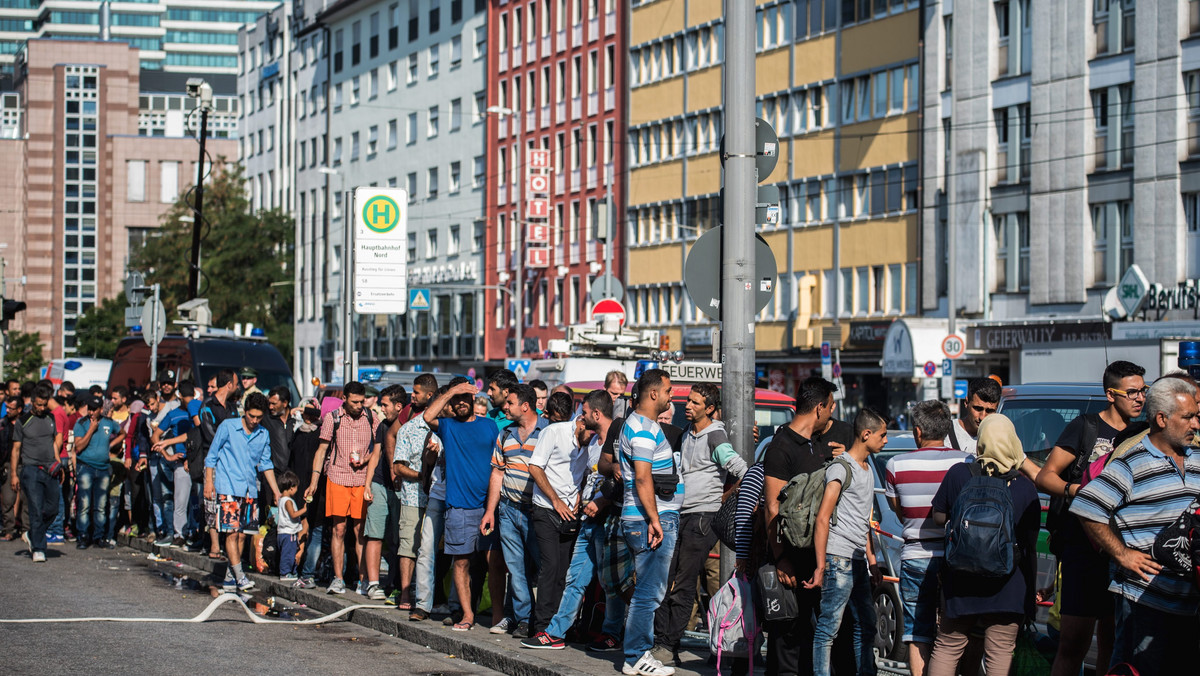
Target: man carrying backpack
<point x="791" y="453"/>
<point x="911" y="481"/>
<point x="1130" y="511"/>
<point x="1086" y="607"/>
<point x="992" y="517"/>
<point x="846" y="566"/>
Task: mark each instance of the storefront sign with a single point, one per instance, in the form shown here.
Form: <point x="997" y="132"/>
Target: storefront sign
<point x="1182" y="296"/>
<point x="1003" y="338"/>
<point x="898" y="351"/>
<point x="868" y="334"/>
<point x="464" y="271"/>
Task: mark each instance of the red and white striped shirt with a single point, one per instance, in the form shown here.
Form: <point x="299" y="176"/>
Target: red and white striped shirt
<point x="914" y="479"/>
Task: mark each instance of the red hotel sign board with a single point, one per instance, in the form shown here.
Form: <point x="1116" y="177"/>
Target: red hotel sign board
<point x="537" y="257"/>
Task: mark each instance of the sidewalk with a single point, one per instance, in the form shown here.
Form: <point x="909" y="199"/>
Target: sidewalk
<point x="503" y="653"/>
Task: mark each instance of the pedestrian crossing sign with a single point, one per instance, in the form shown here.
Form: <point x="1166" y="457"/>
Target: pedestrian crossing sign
<point x="418" y="299"/>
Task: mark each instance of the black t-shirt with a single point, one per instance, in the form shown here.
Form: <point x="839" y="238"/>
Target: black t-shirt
<point x="790" y="454"/>
<point x="1072" y="438"/>
<point x="839" y="432"/>
<point x="383" y="469"/>
<point x="304" y="449"/>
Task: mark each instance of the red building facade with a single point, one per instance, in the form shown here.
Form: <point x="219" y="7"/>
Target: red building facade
<point x="556" y="82"/>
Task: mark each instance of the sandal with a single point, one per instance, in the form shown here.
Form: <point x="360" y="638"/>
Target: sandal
<point x="462" y="626"/>
<point x="404" y="606"/>
<point x="418" y="615"/>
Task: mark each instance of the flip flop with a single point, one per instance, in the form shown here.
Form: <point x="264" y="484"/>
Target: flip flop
<point x="404" y="606"/>
<point x="462" y="626"/>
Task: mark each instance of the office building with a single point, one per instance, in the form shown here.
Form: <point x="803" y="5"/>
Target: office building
<point x="839" y="83"/>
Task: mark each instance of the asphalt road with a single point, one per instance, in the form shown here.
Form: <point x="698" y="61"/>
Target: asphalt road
<point x="124" y="583"/>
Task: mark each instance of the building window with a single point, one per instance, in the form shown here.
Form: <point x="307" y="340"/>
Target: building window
<point x="414" y="19"/>
<point x="455" y="114"/>
<point x="393" y="26"/>
<point x="433" y="60"/>
<point x="337" y="51"/>
<point x="392" y="133"/>
<point x="1014" y="47"/>
<point x="135" y="190"/>
<point x="412" y="247"/>
<point x="1114" y="25"/>
<point x="411" y="129"/>
<point x="354" y="91"/>
<point x="410" y="184"/>
<point x="1191" y="84"/>
<point x="456" y="51"/>
<point x="1011" y="232"/>
<point x="169" y="183"/>
<point x="354" y="146"/>
<point x="455" y="176"/>
<point x="431" y="177"/>
<point x="431" y="129"/>
<point x="1012" y="159"/>
<point x="373" y="45"/>
<point x="948" y="42"/>
<point x="435" y="15"/>
<point x="1112" y="110"/>
<point x="372" y="141"/>
<point x="431" y="244"/>
<point x="1112" y="240"/>
<point x="355" y="43"/>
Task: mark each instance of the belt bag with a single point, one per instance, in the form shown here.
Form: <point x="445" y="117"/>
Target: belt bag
<point x="564" y="526"/>
<point x="665" y="486"/>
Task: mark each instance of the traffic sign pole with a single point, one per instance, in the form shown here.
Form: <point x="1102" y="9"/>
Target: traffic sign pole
<point x="349" y="222"/>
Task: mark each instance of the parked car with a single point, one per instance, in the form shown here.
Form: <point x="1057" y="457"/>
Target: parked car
<point x="1040" y="411"/>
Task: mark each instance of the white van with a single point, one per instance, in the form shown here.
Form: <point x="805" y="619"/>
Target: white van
<point x="83" y="372"/>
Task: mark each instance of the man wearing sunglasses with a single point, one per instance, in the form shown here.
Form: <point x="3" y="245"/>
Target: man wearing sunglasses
<point x="1086" y="605"/>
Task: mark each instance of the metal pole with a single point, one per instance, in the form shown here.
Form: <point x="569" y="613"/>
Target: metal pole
<point x="157" y="338"/>
<point x="348" y="372"/>
<point x="519" y="283"/>
<point x="608" y="246"/>
<point x="3" y="332"/>
<point x="194" y="270"/>
<point x="737" y="264"/>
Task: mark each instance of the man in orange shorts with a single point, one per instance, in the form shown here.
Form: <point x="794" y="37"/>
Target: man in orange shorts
<point x="350" y="430"/>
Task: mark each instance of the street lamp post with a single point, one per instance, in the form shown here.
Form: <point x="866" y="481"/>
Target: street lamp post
<point x="202" y="91"/>
<point x="518" y="284"/>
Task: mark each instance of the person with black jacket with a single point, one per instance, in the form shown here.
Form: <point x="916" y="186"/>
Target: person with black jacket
<point x="304" y="449"/>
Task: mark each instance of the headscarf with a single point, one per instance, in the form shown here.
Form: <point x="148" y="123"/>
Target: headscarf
<point x="999" y="447"/>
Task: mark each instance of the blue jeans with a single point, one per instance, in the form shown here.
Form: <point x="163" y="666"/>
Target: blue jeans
<point x="162" y="491"/>
<point x="588" y="550"/>
<point x="920" y="594"/>
<point x="114" y="514"/>
<point x="653" y="568"/>
<point x="91" y="502"/>
<point x="42" y="493"/>
<point x="517" y="542"/>
<point x="312" y="553"/>
<point x="57" y="525"/>
<point x="1152" y="641"/>
<point x="846" y="581"/>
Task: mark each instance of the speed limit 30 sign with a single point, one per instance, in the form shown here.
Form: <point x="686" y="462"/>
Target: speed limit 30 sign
<point x="953" y="346"/>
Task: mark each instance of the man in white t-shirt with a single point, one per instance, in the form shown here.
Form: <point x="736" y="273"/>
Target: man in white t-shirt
<point x="983" y="398"/>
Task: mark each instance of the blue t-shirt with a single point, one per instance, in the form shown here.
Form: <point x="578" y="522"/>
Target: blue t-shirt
<point x="468" y="460"/>
<point x="174" y="423"/>
<point x="96" y="453"/>
<point x="642" y="440"/>
<point x="193" y="408"/>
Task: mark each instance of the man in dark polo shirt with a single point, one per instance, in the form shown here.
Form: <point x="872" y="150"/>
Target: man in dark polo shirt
<point x="35" y="449"/>
<point x="792" y="452"/>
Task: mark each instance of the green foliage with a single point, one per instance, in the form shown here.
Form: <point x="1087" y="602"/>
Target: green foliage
<point x="101" y="328"/>
<point x="23" y="356"/>
<point x="245" y="258"/>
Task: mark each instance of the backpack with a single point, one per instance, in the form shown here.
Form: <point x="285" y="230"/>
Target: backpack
<point x="800" y="501"/>
<point x="1059" y="506"/>
<point x="733" y="629"/>
<point x="724" y="522"/>
<point x="980" y="534"/>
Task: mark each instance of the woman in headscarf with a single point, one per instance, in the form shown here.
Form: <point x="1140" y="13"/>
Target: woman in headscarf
<point x="997" y="606"/>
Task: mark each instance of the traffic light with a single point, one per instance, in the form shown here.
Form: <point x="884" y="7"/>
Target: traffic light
<point x="11" y="308"/>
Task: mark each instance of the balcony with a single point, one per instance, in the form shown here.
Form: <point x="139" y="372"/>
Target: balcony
<point x="516" y="53"/>
<point x="560" y="255"/>
<point x="610" y="98"/>
<point x="574" y="180"/>
<point x="576" y="106"/>
<point x="501" y="194"/>
<point x="502" y="127"/>
<point x="559" y="187"/>
<point x="593" y="103"/>
<point x="561" y="112"/>
<point x="574" y="253"/>
<point x="593" y="29"/>
<point x="560" y="41"/>
<point x="610" y="23"/>
<point x="546" y="45"/>
<point x="531" y="120"/>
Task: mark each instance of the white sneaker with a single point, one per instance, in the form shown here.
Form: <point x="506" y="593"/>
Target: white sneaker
<point x="375" y="593"/>
<point x="647" y="666"/>
<point x="39" y="557"/>
<point x="502" y="627"/>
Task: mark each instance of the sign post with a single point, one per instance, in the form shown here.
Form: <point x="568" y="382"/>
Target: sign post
<point x="376" y="260"/>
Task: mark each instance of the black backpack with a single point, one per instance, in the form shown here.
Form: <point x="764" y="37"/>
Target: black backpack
<point x="1060" y="506"/>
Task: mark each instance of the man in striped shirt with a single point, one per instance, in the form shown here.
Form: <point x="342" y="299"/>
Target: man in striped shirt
<point x="912" y="481"/>
<point x="649" y="517"/>
<point x="1141" y="493"/>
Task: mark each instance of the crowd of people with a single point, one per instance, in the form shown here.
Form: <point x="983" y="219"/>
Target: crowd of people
<point x="593" y="518"/>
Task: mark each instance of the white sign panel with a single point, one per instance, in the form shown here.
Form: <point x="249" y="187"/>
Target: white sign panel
<point x="380" y="250"/>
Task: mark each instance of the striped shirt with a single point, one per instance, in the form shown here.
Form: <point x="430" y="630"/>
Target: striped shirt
<point x="642" y="440"/>
<point x="511" y="456"/>
<point x="913" y="478"/>
<point x="1144" y="492"/>
<point x="749" y="497"/>
<point x="353" y="435"/>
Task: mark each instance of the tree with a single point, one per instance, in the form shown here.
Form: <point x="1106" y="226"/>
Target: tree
<point x="246" y="257"/>
<point x="23" y="356"/>
<point x="101" y="328"/>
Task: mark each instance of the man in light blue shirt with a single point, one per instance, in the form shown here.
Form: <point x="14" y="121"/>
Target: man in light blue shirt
<point x="240" y="449"/>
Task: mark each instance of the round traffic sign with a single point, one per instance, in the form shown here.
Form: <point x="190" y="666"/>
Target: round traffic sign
<point x="608" y="306"/>
<point x="953" y="346"/>
<point x="606" y="286"/>
<point x="930" y="368"/>
<point x="381" y="214"/>
<point x="702" y="273"/>
<point x="837" y="370"/>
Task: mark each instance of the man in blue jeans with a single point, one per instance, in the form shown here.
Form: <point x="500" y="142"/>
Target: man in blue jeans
<point x="510" y="480"/>
<point x="846" y="567"/>
<point x="95" y="435"/>
<point x="34" y="461"/>
<point x="649" y="517"/>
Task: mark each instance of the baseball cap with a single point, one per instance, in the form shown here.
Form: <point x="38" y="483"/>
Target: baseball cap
<point x="95" y="403"/>
<point x="248" y="372"/>
<point x="168" y="377"/>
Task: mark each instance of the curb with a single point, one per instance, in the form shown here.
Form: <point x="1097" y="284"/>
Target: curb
<point x="485" y="652"/>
